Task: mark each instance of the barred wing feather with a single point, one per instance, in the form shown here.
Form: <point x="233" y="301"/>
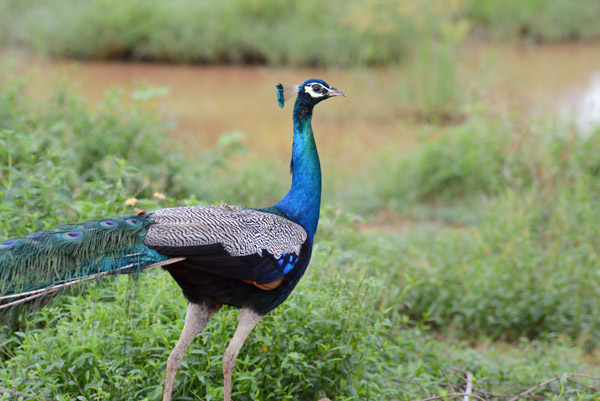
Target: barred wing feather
<point x="228" y="241"/>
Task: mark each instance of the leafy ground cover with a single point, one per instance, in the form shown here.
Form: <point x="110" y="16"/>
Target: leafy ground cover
<point x="504" y="287"/>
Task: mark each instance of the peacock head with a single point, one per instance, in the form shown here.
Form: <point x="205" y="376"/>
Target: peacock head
<point x="309" y="93"/>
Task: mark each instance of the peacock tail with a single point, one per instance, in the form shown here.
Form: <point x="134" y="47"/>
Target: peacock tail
<point x="47" y="261"/>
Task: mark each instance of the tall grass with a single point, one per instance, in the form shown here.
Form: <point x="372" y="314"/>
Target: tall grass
<point x="275" y="32"/>
<point x="483" y="157"/>
<point x="536" y="20"/>
<point x="307" y="32"/>
<point x="431" y="90"/>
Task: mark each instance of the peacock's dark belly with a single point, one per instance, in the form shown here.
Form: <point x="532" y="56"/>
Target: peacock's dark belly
<point x="198" y="285"/>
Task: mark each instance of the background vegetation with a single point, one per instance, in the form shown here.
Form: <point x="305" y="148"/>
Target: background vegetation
<point x="337" y="32"/>
<point x="491" y="267"/>
<point x="523" y="268"/>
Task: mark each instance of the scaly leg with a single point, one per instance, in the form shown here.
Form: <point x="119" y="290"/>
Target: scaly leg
<point x="196" y="317"/>
<point x="247" y="320"/>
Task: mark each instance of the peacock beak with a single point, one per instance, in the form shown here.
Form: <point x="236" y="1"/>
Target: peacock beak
<point x="336" y="92"/>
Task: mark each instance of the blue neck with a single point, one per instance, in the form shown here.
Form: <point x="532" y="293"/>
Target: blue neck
<point x="303" y="203"/>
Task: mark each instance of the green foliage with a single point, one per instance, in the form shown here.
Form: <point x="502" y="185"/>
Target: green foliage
<point x="376" y="316"/>
<point x="529" y="269"/>
<point x="431" y="89"/>
<point x="467" y="160"/>
<point x="538" y="20"/>
<point x="66" y="129"/>
<point x="114" y="344"/>
<point x="484" y="157"/>
<point x="35" y="194"/>
<point x="338" y="335"/>
<point x="526" y="264"/>
<point x="70" y="138"/>
<point x="308" y="32"/>
<point x="239" y="31"/>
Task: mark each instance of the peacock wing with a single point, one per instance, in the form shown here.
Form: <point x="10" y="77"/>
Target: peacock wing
<point x="228" y="241"/>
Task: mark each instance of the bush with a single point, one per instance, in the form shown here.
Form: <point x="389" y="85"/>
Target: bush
<point x="239" y="31"/>
<point x="528" y="271"/>
<point x="276" y="32"/>
<point x="113" y="343"/>
<point x="537" y="20"/>
<point x="527" y="265"/>
<point x="67" y="129"/>
<point x="483" y="157"/>
<point x="462" y="161"/>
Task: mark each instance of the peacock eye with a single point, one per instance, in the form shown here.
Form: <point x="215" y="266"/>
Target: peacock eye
<point x="317" y="88"/>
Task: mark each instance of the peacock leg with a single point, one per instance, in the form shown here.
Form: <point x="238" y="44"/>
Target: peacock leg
<point x="247" y="320"/>
<point x="196" y="318"/>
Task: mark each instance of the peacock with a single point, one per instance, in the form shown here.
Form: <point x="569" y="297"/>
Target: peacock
<point x="219" y="255"/>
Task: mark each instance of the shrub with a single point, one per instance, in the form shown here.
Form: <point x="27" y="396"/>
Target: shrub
<point x="537" y="20"/>
<point x="462" y="161"/>
<point x="239" y="31"/>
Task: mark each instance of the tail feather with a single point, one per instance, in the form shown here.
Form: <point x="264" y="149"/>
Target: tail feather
<point x="43" y="263"/>
<point x="33" y="295"/>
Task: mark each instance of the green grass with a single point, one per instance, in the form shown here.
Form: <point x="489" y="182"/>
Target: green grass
<point x="536" y="20"/>
<point x="510" y="293"/>
<point x="462" y="161"/>
<point x="237" y="32"/>
<point x="277" y="32"/>
<point x="515" y="250"/>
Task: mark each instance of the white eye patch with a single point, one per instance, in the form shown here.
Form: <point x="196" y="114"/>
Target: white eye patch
<point x="316" y="90"/>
